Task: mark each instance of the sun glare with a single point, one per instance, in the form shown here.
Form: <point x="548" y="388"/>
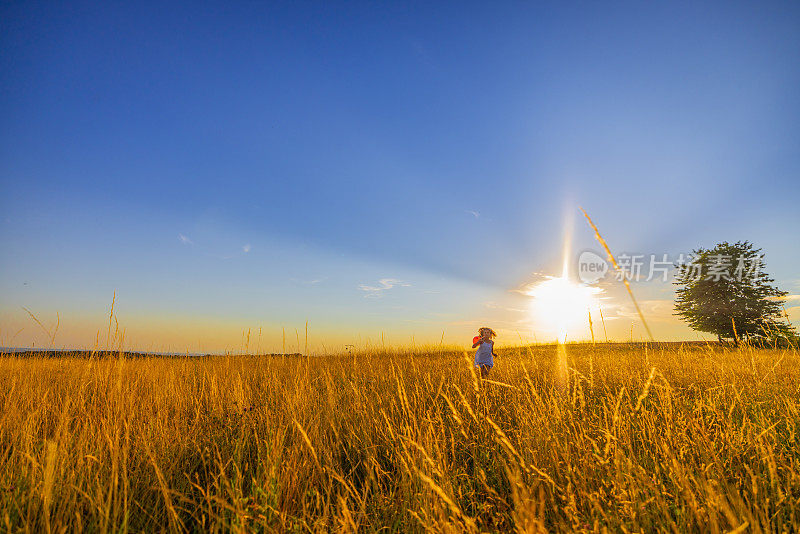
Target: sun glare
<point x="561" y="306"/>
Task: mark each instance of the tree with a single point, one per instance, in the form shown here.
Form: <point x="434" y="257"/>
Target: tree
<point x="726" y="292"/>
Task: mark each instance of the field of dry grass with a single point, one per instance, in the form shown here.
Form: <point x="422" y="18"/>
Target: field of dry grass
<point x="616" y="437"/>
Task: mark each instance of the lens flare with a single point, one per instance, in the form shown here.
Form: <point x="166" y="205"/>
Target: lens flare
<point x="559" y="305"/>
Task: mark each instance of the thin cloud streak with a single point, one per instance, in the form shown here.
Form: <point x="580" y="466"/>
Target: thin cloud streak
<point x="384" y="284"/>
<point x="312" y="282"/>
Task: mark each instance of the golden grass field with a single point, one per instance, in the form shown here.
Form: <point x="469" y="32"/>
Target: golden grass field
<point x="631" y="438"/>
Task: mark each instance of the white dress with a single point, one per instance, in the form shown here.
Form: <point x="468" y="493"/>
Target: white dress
<point x="483" y="356"/>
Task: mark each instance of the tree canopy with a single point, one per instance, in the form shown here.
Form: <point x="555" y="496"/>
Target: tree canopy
<point x="726" y="291"/>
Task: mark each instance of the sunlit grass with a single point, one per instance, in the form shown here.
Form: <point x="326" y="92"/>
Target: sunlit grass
<point x="647" y="438"/>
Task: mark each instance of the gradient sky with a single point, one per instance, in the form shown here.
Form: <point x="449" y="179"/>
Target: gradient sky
<point x="372" y="167"/>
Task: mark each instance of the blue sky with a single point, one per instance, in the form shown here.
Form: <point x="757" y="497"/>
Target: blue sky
<point x="306" y="151"/>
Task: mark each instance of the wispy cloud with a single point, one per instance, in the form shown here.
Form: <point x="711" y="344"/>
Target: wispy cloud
<point x="246" y="248"/>
<point x="422" y="53"/>
<point x="474" y="213"/>
<point x="311" y="282"/>
<point x="654" y="310"/>
<point x="185" y="240"/>
<point x="495" y="306"/>
<point x="384" y="284"/>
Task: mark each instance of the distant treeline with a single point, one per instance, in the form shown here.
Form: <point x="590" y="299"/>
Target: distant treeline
<point x="446" y="351"/>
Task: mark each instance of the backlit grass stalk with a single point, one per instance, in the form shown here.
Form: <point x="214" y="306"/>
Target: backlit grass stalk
<point x="620" y="271"/>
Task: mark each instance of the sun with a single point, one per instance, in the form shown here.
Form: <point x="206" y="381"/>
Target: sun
<point x="561" y="306"/>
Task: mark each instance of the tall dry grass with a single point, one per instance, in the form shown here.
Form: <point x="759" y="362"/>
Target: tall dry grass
<point x="651" y="438"/>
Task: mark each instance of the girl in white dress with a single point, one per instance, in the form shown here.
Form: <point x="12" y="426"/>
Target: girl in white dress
<point x="484" y="356"/>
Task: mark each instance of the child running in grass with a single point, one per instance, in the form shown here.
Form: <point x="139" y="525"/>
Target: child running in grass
<point x="484" y="356"/>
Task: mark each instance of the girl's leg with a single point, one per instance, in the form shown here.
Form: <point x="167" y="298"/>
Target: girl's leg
<point x="485" y="371"/>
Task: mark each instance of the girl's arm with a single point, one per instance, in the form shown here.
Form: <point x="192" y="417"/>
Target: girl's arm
<point x="493" y="354"/>
<point x="481" y="340"/>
